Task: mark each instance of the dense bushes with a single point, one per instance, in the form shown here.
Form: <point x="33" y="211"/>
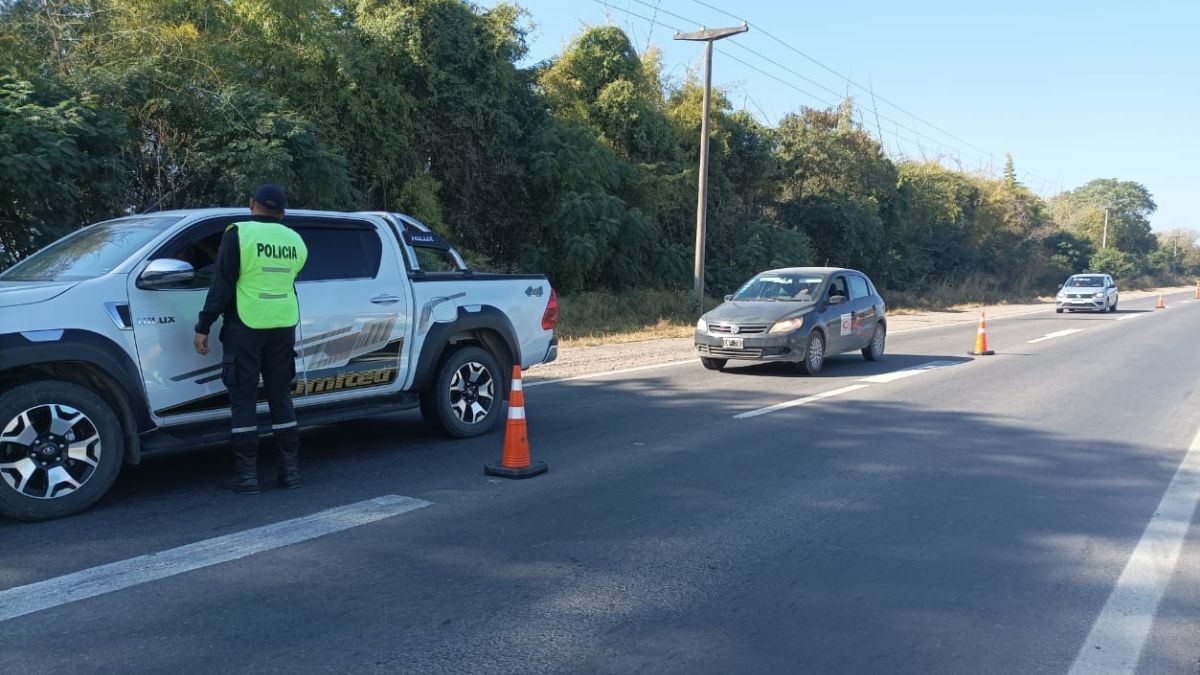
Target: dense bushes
<point x="583" y="167"/>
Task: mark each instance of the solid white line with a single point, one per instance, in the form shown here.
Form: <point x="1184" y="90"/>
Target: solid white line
<point x="123" y="574"/>
<point x="998" y="317"/>
<point x="1115" y="643"/>
<point x="1055" y="334"/>
<point x="884" y="378"/>
<point x="1129" y="316"/>
<point x="799" y="401"/>
<point x="605" y="373"/>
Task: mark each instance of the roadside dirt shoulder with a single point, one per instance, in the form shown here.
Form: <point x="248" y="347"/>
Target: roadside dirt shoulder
<point x="576" y="361"/>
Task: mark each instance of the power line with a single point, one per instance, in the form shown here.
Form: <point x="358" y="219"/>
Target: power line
<point x="958" y="151"/>
<point x="946" y="150"/>
<point x="848" y="80"/>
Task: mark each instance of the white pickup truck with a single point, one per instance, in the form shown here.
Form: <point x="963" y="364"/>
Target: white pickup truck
<point x="97" y="366"/>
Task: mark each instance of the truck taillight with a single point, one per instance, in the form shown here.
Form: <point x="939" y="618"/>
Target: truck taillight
<point x="550" y="317"/>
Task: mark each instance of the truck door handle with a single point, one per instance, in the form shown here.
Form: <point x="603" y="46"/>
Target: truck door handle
<point x="385" y="299"/>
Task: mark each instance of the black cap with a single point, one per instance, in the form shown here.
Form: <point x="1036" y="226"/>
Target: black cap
<point x="272" y="197"/>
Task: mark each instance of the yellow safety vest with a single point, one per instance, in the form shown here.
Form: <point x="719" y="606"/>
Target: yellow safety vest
<point x="272" y="256"/>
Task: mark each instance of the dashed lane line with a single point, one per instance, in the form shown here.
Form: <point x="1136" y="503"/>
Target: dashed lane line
<point x="799" y="401"/>
<point x="1055" y="334"/>
<point x="94" y="581"/>
<point x="884" y="378"/>
<point x="1115" y="642"/>
<point x="684" y="362"/>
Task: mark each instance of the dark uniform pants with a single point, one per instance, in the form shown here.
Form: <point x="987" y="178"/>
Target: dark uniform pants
<point x="250" y="352"/>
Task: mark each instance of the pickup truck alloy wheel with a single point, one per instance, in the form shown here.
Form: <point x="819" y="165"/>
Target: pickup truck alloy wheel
<point x="472" y="392"/>
<point x="464" y="398"/>
<point x="60" y="449"/>
<point x="52" y="451"/>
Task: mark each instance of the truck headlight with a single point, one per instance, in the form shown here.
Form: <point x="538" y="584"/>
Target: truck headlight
<point x="787" y="326"/>
<point x="702" y="326"/>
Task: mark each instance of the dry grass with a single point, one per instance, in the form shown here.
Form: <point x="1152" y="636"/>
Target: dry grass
<point x="605" y="318"/>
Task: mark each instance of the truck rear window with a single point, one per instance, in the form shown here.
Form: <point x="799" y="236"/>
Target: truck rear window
<point x="340" y="253"/>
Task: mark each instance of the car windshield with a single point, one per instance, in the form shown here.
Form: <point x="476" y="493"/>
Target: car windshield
<point x="91" y="252"/>
<point x="780" y="286"/>
<point x="1086" y="282"/>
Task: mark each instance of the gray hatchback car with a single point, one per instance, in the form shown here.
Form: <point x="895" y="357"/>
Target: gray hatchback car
<point x="799" y="315"/>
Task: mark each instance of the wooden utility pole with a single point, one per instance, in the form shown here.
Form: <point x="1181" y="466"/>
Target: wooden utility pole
<point x="708" y="37"/>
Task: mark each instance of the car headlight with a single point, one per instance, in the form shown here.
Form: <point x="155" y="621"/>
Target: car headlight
<point x="702" y="326"/>
<point x="787" y="326"/>
<point x="1098" y="295"/>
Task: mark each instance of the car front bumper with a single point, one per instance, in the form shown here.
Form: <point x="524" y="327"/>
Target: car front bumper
<point x="1094" y="304"/>
<point x="760" y="347"/>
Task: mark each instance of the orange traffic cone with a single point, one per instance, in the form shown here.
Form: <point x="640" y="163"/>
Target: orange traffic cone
<point x="1161" y="302"/>
<point x="515" y="462"/>
<point x="981" y="348"/>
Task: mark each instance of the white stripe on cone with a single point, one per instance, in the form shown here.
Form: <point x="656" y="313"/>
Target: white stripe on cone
<point x="517" y="413"/>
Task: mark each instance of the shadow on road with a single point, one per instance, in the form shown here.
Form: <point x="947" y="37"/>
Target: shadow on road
<point x="841" y="365"/>
<point x="853" y="536"/>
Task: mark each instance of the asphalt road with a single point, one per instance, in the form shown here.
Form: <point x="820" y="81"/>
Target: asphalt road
<point x="979" y="516"/>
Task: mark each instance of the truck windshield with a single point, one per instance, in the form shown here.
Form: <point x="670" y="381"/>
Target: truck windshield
<point x="91" y="252"/>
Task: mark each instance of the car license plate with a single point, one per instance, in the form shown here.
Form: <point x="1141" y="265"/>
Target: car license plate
<point x="732" y="343"/>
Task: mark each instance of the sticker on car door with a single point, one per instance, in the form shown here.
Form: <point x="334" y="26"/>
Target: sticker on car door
<point x="847" y="324"/>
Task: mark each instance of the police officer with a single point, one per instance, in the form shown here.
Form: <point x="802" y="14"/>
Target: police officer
<point x="254" y="289"/>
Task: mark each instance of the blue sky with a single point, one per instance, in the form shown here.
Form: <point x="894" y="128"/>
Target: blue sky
<point x="1074" y="90"/>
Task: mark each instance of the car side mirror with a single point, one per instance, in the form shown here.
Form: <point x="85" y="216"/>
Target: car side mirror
<point x="837" y="299"/>
<point x="728" y="298"/>
<point x="166" y="273"/>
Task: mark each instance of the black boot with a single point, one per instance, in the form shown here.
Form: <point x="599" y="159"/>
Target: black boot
<point x="288" y="441"/>
<point x="245" y="463"/>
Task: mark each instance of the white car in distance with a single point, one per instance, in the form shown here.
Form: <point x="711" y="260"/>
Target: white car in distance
<point x="1087" y="292"/>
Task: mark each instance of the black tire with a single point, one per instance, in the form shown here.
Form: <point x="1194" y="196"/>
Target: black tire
<point x="58" y="413"/>
<point x="440" y="404"/>
<point x="713" y="364"/>
<point x="814" y="354"/>
<point x="1058" y="311"/>
<point x="874" y="349"/>
<point x="1114" y="306"/>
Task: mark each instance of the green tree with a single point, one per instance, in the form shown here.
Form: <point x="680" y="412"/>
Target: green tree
<point x="1129" y="205"/>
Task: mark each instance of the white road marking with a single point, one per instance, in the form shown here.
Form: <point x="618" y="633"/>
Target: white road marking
<point x="799" y="401"/>
<point x="1055" y="334"/>
<point x="605" y="373"/>
<point x="1129" y="316"/>
<point x="969" y="321"/>
<point x="997" y="317"/>
<point x="123" y="574"/>
<point x="884" y="378"/>
<point x="1115" y="643"/>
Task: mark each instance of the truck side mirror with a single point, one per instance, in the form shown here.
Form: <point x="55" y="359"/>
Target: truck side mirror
<point x="166" y="273"/>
